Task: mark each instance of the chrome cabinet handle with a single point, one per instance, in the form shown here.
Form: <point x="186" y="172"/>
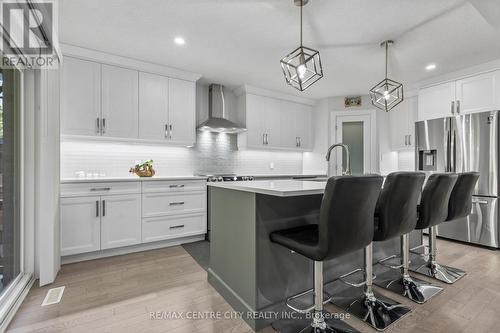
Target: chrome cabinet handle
<point x="177" y="226"/>
<point x="458" y="107"/>
<point x="267" y="139"/>
<point x="179" y="203"/>
<point x="452" y="107"/>
<point x="166" y="131"/>
<point x="296" y="141"/>
<point x="176" y="186"/>
<point x="409" y="139"/>
<point x="100" y="189"/>
<point x="263" y="138"/>
<point x="104" y="208"/>
<point x="97" y="208"/>
<point x="170" y="131"/>
<point x="98" y="123"/>
<point x="103" y="126"/>
<point x="406" y="140"/>
<point x="481" y="202"/>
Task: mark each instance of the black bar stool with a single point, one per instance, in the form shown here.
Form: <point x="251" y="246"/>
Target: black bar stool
<point x="345" y="225"/>
<point x="395" y="215"/>
<point x="459" y="206"/>
<point x="433" y="210"/>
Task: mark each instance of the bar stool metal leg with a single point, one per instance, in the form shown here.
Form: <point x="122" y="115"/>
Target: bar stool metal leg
<point x="374" y="309"/>
<point x="428" y="266"/>
<point x="415" y="289"/>
<point x="322" y="321"/>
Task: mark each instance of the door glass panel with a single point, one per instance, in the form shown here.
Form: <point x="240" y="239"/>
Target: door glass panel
<point x="352" y="136"/>
<point x="10" y="246"/>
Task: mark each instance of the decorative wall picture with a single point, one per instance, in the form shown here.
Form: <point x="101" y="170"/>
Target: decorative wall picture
<point x="351" y="101"/>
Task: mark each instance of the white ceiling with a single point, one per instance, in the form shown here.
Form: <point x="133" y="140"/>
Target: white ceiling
<point x="238" y="42"/>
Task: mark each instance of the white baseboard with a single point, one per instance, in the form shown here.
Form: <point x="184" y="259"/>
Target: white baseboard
<point x="129" y="249"/>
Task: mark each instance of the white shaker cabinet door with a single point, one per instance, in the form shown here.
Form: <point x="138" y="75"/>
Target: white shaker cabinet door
<point x="289" y="114"/>
<point x="182" y="112"/>
<point x="478" y="93"/>
<point x="80" y="97"/>
<point x="120" y="109"/>
<point x="153" y="107"/>
<point x="80" y="225"/>
<point x="436" y="101"/>
<point x="273" y="122"/>
<point x="255" y="120"/>
<point x="120" y="220"/>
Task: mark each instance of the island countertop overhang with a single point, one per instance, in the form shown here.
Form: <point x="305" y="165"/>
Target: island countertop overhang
<point x="280" y="188"/>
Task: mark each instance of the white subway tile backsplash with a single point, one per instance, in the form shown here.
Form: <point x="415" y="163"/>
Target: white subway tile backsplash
<point x="213" y="153"/>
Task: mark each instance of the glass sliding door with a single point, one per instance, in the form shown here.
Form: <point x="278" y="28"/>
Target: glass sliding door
<point x="10" y="177"/>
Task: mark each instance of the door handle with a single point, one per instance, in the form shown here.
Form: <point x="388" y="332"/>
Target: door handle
<point x="103" y="126"/>
<point x="406" y="140"/>
<point x="409" y="139"/>
<point x="263" y="138"/>
<point x="166" y="131"/>
<point x="458" y="107"/>
<point x="170" y="131"/>
<point x="177" y="226"/>
<point x="452" y="107"/>
<point x="104" y="208"/>
<point x="97" y="208"/>
<point x="267" y="139"/>
<point x="98" y="123"/>
<point x="100" y="189"/>
<point x="179" y="203"/>
<point x="176" y="185"/>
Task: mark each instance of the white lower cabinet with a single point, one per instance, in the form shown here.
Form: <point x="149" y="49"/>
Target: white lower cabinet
<point x="120" y="220"/>
<point x="101" y="216"/>
<point x="168" y="227"/>
<point x="80" y="225"/>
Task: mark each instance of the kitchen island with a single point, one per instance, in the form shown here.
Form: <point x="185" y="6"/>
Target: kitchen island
<point x="254" y="275"/>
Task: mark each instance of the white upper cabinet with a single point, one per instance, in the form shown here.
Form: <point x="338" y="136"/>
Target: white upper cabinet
<point x="476" y="93"/>
<point x="275" y="124"/>
<point x="402" y="124"/>
<point x="80" y="97"/>
<point x="182" y="112"/>
<point x="115" y="102"/>
<point x="120" y="108"/>
<point x="153" y="107"/>
<point x="255" y="120"/>
<point x="436" y="101"/>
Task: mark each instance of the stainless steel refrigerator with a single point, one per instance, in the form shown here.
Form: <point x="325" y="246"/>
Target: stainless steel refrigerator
<point x="459" y="144"/>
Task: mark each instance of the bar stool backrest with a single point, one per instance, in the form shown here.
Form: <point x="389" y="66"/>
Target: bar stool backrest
<point x="460" y="204"/>
<point x="396" y="212"/>
<point x="433" y="208"/>
<point x="346" y="215"/>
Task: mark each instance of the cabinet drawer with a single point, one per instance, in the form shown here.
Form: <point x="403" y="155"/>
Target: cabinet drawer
<point x="98" y="188"/>
<point x="156" y="229"/>
<point x="174" y="186"/>
<point x="159" y="204"/>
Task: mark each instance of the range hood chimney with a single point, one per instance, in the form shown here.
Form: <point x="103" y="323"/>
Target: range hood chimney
<point x="217" y="113"/>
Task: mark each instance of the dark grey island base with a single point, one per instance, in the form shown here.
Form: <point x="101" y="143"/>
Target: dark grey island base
<point x="256" y="276"/>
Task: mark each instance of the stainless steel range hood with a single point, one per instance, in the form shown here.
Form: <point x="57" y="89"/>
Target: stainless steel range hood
<point x="217" y="113"/>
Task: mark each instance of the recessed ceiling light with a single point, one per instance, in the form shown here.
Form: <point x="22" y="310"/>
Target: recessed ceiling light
<point x="430" y="67"/>
<point x="179" y="41"/>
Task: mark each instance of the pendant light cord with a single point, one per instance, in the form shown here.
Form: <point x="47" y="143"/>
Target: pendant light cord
<point x="386" y="52"/>
<point x="301" y="5"/>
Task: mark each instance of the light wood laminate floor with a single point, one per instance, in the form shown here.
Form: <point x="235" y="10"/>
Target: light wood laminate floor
<point x="117" y="295"/>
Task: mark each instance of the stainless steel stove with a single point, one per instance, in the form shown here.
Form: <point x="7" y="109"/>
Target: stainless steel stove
<point x="226" y="177"/>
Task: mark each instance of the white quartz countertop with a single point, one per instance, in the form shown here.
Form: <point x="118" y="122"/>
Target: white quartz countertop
<point x="128" y="179"/>
<point x="280" y="187"/>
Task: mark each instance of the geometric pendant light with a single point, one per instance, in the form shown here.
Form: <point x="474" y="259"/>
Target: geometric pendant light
<point x="388" y="93"/>
<point x="302" y="67"/>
